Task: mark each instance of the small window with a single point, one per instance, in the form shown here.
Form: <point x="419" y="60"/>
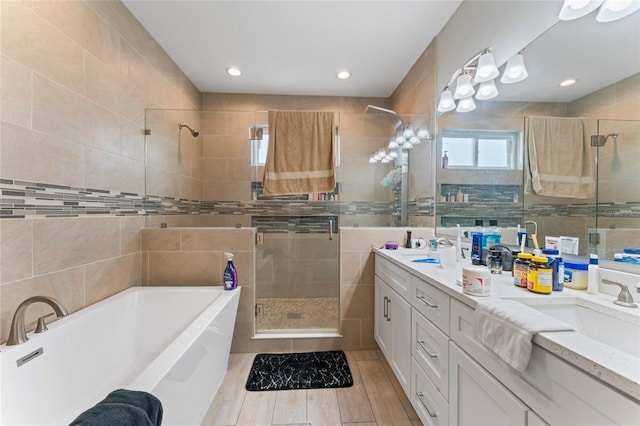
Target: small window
<point x="259" y="148"/>
<point x="494" y="149"/>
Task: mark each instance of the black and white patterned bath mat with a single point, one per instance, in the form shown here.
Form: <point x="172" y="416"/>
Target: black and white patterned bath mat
<point x="308" y="370"/>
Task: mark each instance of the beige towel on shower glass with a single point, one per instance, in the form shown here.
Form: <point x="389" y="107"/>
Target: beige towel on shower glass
<point x="560" y="157"/>
<point x="300" y="159"/>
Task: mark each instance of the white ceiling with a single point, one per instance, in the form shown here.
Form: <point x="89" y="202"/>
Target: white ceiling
<point x="294" y="47"/>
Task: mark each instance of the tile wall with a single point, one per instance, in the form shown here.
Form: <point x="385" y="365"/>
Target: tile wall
<point x="75" y="80"/>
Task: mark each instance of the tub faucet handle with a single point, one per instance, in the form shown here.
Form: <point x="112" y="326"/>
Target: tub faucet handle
<point x="42" y="325"/>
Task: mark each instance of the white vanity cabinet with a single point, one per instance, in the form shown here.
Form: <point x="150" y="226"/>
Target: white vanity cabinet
<point x="477" y="398"/>
<point x="392" y="329"/>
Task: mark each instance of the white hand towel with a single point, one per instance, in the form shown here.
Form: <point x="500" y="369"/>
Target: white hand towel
<point x="506" y="327"/>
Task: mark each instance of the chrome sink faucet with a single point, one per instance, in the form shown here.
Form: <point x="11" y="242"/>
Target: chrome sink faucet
<point x="18" y="333"/>
<point x="624" y="298"/>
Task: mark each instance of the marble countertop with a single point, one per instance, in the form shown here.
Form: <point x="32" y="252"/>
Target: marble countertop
<point x="612" y="366"/>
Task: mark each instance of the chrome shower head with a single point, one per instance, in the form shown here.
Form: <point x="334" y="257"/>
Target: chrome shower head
<point x="601" y="140"/>
<point x="194" y="133"/>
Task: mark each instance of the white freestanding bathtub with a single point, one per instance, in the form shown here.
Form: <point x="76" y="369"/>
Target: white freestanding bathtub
<point x="173" y="342"/>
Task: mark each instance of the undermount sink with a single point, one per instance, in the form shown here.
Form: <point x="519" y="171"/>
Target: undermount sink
<point x="608" y="325"/>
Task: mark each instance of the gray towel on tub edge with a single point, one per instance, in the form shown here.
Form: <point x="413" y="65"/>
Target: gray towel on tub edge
<point x="123" y="407"/>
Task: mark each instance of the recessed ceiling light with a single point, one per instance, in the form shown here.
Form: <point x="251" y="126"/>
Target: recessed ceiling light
<point x="343" y="75"/>
<point x="233" y="71"/>
<point x="568" y="82"/>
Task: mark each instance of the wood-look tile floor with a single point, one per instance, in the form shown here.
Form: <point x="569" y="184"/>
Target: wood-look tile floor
<point x="375" y="399"/>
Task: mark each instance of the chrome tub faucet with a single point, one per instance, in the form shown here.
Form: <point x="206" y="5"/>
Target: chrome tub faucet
<point x="18" y="332"/>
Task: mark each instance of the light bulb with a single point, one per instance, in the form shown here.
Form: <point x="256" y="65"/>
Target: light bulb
<point x="399" y="140"/>
<point x="372" y="159"/>
<point x="487" y="69"/>
<point x="466" y="105"/>
<point x="407" y="145"/>
<point x="463" y="87"/>
<point x="393" y="144"/>
<point x="515" y="70"/>
<point x="487" y="90"/>
<point x="424" y="134"/>
<point x="574" y="9"/>
<point x="393" y="154"/>
<point x="414" y="140"/>
<point x="446" y="101"/>
<point x="408" y="132"/>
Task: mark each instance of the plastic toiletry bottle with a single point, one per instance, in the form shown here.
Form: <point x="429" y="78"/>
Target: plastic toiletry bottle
<point x="494" y="235"/>
<point x="554" y="261"/>
<point x="593" y="274"/>
<point x="445" y="160"/>
<point x="230" y="276"/>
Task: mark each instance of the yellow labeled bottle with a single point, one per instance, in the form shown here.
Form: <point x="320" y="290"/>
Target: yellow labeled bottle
<point x="521" y="269"/>
<point x="540" y="278"/>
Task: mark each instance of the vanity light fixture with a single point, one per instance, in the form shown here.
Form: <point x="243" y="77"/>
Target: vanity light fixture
<point x="515" y="70"/>
<point x="234" y="71"/>
<point x="406" y="139"/>
<point x="343" y="75"/>
<point x="480" y="69"/>
<point x="610" y="10"/>
<point x="568" y="82"/>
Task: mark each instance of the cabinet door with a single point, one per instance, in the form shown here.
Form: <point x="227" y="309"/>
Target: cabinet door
<point x="382" y="323"/>
<point x="400" y="315"/>
<point x="476" y="398"/>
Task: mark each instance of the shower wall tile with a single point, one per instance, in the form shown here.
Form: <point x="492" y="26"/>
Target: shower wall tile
<point x="180" y="268"/>
<point x="16" y="246"/>
<point x="131" y="234"/>
<point x="26" y="155"/>
<point x="64" y="243"/>
<point x="31" y="41"/>
<point x="106" y="278"/>
<point x="67" y="115"/>
<point x="112" y="172"/>
<point x="212" y="239"/>
<point x="15" y="92"/>
<point x="95" y="35"/>
<point x="161" y="239"/>
<point x="105" y="87"/>
<point x="357" y="301"/>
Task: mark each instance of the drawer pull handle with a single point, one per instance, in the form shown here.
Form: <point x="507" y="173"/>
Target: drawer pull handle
<point x="384" y="308"/>
<point x="388" y="316"/>
<point x="421" y="343"/>
<point x="426" y="302"/>
<point x="420" y="395"/>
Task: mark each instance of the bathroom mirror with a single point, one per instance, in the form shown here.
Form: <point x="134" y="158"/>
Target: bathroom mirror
<point x="605" y="60"/>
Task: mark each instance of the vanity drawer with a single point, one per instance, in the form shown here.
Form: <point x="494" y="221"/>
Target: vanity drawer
<point x="430" y="349"/>
<point x="431" y="302"/>
<point x="429" y="404"/>
<point x="396" y="277"/>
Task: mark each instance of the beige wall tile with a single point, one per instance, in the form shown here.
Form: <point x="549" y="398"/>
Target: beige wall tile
<point x="65" y="243"/>
<point x="227" y="191"/>
<point x="104" y="279"/>
<point x="15" y="249"/>
<point x="28" y="154"/>
<point x="162" y="182"/>
<point x="218" y="239"/>
<point x="224" y="146"/>
<point x="132" y="141"/>
<point x="356" y="302"/>
<point x="161" y="240"/>
<point x="242" y="342"/>
<point x="131" y="234"/>
<point x="65" y="286"/>
<point x="33" y="42"/>
<point x="214" y="169"/>
<point x="246" y="310"/>
<point x="65" y="114"/>
<point x="104" y="86"/>
<point x="184" y="268"/>
<point x="350" y="268"/>
<point x="190" y="189"/>
<point x="109" y="171"/>
<point x="80" y="23"/>
<point x="15" y="92"/>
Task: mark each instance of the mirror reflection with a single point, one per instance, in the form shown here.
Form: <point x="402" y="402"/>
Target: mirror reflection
<point x="604" y="59"/>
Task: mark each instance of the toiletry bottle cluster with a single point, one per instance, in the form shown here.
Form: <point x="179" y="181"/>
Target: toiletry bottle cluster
<point x="483" y="237"/>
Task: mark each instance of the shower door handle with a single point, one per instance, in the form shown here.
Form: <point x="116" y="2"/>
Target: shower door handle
<point x="330" y="230"/>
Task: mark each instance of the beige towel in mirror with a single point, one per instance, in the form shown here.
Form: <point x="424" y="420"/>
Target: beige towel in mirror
<point x="560" y="157"/>
<point x="300" y="159"/>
